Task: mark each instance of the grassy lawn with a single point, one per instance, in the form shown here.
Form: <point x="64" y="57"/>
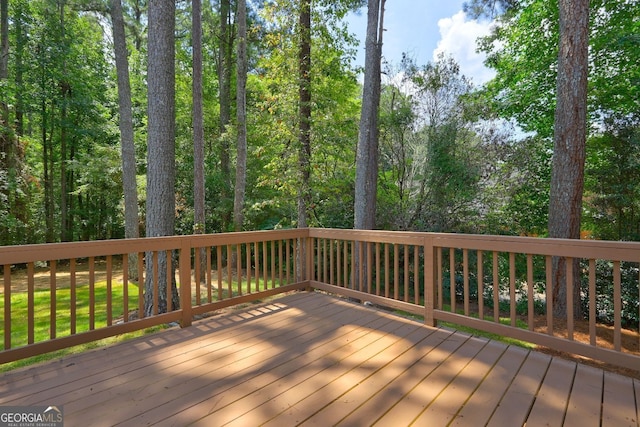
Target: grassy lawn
<point x="42" y="310"/>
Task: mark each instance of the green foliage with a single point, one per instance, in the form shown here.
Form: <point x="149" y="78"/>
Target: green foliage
<point x="523" y="50"/>
<point x="612" y="185"/>
<point x="605" y="309"/>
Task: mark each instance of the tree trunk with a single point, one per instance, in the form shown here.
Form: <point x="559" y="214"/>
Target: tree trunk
<point x="241" y="112"/>
<point x="5" y="134"/>
<point x="198" y="134"/>
<point x="160" y="204"/>
<point x="304" y="112"/>
<point x="567" y="177"/>
<point x="21" y="42"/>
<point x="225" y="58"/>
<point x="367" y="151"/>
<point x="366" y="185"/>
<point x="127" y="146"/>
<point x="4" y="63"/>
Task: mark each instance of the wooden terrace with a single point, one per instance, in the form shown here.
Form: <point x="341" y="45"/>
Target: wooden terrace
<point x="325" y="347"/>
<point x="313" y="359"/>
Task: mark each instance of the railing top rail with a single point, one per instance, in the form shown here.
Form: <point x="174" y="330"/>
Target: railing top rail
<point x="380" y="236"/>
<point x="588" y="249"/>
<point x="56" y="251"/>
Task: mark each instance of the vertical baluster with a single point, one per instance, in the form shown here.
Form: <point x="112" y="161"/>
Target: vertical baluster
<point x="480" y="285"/>
<point x="465" y="274"/>
<point x="396" y="271"/>
<point x="452" y="279"/>
<point x="52" y="300"/>
<point x="256" y="256"/>
<point x="439" y="278"/>
<point x="248" y="264"/>
<point x="265" y="263"/>
<point x="387" y="273"/>
<point x="219" y="267"/>
<point x="198" y="273"/>
<point x="7" y="306"/>
<point x="369" y="266"/>
<point x="338" y="263"/>
<point x="549" y="293"/>
<point x="238" y="259"/>
<point x="378" y="274"/>
<point x="345" y="259"/>
<point x="416" y="274"/>
<point x="288" y="261"/>
<point x="617" y="307"/>
<point x="569" y="267"/>
<point x="317" y="266"/>
<point x="352" y="276"/>
<point x="229" y="271"/>
<point x="170" y="279"/>
<point x="125" y="288"/>
<point x="512" y="288"/>
<point x="530" y="285"/>
<point x="361" y="264"/>
<point x="92" y="293"/>
<point x="331" y="262"/>
<point x="72" y="296"/>
<point x="496" y="289"/>
<point x="141" y="271"/>
<point x="280" y="262"/>
<point x="273" y="264"/>
<point x="324" y="261"/>
<point x="30" y="303"/>
<point x="155" y="283"/>
<point x="109" y="272"/>
<point x="405" y="253"/>
<point x="208" y="275"/>
<point x="592" y="302"/>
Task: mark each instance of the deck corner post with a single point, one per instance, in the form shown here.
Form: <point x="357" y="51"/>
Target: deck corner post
<point x="185" y="283"/>
<point x="429" y="281"/>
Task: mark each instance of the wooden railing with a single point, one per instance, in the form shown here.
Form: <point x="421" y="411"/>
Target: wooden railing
<point x="59" y="295"/>
<point x="495" y="284"/>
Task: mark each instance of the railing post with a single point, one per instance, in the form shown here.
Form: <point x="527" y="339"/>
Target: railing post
<point x="185" y="282"/>
<point x="430" y="271"/>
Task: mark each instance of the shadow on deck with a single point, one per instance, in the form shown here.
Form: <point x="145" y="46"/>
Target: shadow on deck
<point x="313" y="359"/>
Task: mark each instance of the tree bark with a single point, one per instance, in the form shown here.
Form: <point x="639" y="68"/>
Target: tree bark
<point x="160" y="204"/>
<point x="225" y="58"/>
<point x="304" y="112"/>
<point x="125" y="123"/>
<point x="567" y="177"/>
<point x="198" y="133"/>
<point x="4" y="59"/>
<point x="5" y="135"/>
<point x="367" y="150"/>
<point x="241" y="117"/>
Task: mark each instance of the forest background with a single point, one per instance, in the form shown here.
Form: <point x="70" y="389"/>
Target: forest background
<point x="453" y="157"/>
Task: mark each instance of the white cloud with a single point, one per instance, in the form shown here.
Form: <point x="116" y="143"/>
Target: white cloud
<point x="458" y="39"/>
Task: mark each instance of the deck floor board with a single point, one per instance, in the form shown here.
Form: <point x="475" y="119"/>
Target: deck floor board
<point x="314" y="359"/>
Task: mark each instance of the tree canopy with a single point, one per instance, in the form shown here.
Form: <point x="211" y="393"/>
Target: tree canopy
<point x="451" y="156"/>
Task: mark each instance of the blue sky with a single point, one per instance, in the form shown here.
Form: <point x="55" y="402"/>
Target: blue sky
<point x="421" y="28"/>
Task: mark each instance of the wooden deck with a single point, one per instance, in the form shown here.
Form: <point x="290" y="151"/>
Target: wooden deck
<point x="312" y="359"/>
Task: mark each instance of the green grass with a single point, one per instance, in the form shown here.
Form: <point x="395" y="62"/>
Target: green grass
<point x="477" y="332"/>
<point x="42" y="310"/>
